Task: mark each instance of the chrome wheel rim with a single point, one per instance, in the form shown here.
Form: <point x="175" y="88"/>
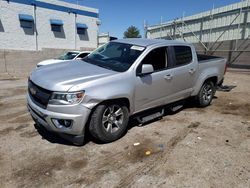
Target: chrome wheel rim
<point x="207" y="93"/>
<point x="112" y="118"/>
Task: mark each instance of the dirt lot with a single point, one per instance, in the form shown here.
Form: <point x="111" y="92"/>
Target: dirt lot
<point x="195" y="147"/>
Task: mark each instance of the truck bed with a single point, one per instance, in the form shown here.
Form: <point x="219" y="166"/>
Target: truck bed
<point x="209" y="63"/>
<point x="202" y="58"/>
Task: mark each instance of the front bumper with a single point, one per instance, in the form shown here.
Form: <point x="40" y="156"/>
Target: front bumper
<point x="77" y="113"/>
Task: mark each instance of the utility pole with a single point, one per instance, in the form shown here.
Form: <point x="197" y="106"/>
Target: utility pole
<point x="182" y="25"/>
<point x="75" y="15"/>
<point x="35" y="28"/>
<point x="161" y="28"/>
<point x="210" y="25"/>
<point x="174" y="29"/>
<point x="145" y="26"/>
<point x="238" y="33"/>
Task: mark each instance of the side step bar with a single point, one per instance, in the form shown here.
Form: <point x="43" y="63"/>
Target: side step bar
<point x="149" y="117"/>
<point x="158" y="112"/>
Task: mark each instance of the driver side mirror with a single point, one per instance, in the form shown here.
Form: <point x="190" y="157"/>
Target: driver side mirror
<point x="146" y="69"/>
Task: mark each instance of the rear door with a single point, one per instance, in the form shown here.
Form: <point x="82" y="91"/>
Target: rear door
<point x="183" y="69"/>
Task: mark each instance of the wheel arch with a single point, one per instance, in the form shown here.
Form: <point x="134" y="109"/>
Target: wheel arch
<point x="92" y="127"/>
<point x="123" y="100"/>
<point x="200" y="83"/>
<point x="213" y="79"/>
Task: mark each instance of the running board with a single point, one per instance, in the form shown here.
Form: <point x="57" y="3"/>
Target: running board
<point x="147" y="118"/>
<point x="176" y="108"/>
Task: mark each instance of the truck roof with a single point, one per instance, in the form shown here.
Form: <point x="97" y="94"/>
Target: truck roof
<point x="149" y="42"/>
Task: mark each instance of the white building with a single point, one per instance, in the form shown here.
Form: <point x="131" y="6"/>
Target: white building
<point x="39" y="24"/>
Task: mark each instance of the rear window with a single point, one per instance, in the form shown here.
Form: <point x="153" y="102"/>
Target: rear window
<point x="183" y="55"/>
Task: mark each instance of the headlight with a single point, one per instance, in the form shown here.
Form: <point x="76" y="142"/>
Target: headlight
<point x="58" y="98"/>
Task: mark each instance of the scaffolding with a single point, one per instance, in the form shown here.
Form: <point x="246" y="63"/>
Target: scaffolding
<point x="210" y="29"/>
<point x="186" y="28"/>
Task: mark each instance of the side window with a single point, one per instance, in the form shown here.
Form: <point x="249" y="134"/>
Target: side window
<point x="157" y="58"/>
<point x="183" y="55"/>
<point x="82" y="55"/>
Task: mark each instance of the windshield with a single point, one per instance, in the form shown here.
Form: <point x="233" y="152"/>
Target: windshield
<point x="68" y="56"/>
<point x="115" y="56"/>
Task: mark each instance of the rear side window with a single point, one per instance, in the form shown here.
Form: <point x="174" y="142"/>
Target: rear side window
<point x="183" y="55"/>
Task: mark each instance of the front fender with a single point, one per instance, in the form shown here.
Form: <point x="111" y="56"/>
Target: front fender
<point x="109" y="89"/>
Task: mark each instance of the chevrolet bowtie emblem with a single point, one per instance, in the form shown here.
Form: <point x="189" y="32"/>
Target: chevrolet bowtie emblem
<point x="32" y="91"/>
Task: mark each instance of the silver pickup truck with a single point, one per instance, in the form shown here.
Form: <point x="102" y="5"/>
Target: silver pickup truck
<point x="119" y="80"/>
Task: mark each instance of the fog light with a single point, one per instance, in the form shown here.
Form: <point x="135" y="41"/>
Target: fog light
<point x="62" y="123"/>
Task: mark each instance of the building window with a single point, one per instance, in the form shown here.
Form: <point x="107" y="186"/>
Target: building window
<point x="56" y="28"/>
<point x="81" y="28"/>
<point x="26" y="21"/>
<point x="56" y="25"/>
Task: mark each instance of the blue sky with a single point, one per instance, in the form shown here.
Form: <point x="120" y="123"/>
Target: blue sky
<point x="117" y="15"/>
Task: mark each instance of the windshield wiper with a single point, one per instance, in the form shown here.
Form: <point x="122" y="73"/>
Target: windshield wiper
<point x="88" y="60"/>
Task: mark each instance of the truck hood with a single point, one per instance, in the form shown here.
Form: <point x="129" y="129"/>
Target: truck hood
<point x="63" y="76"/>
<point x="50" y="61"/>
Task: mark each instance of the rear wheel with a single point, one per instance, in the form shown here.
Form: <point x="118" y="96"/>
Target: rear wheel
<point x="206" y="94"/>
<point x="109" y="122"/>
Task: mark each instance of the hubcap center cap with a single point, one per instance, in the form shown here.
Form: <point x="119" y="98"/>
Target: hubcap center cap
<point x="112" y="118"/>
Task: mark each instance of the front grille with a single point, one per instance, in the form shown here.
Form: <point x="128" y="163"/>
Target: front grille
<point x="39" y="95"/>
<point x="32" y="110"/>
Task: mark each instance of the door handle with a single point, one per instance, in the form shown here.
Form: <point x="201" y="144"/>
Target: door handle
<point x="168" y="77"/>
<point x="192" y="71"/>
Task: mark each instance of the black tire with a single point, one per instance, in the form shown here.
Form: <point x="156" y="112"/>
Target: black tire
<point x="107" y="128"/>
<point x="206" y="94"/>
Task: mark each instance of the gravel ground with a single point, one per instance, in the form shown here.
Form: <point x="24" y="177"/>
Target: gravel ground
<point x="208" y="147"/>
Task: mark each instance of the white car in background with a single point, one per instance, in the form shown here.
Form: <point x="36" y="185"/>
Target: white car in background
<point x="71" y="55"/>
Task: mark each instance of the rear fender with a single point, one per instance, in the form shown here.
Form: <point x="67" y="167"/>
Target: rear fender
<point x="200" y="81"/>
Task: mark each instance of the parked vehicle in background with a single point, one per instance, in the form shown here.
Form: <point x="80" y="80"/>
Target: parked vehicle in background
<point x="120" y="79"/>
<point x="71" y="55"/>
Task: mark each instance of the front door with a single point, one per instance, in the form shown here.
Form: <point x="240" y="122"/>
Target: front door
<point x="152" y="89"/>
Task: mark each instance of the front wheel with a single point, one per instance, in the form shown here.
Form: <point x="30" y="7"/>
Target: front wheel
<point x="109" y="122"/>
<point x="206" y="94"/>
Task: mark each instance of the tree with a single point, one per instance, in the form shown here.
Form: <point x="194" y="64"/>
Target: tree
<point x="132" y="32"/>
